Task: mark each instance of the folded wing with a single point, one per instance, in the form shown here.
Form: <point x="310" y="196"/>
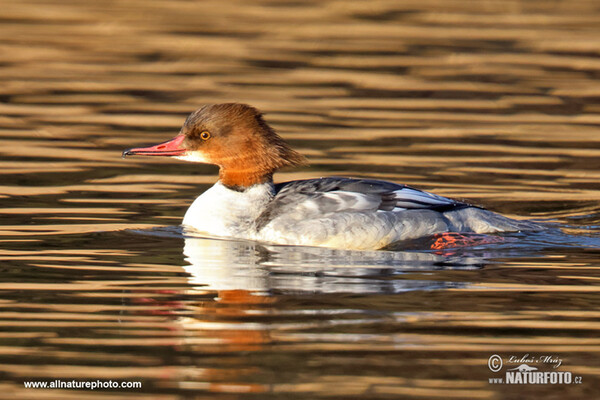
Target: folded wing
<point x="319" y="198"/>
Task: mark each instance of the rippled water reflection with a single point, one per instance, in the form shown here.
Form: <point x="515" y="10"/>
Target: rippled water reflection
<point x="495" y="102"/>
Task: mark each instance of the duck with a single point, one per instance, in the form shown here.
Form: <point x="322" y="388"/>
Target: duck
<point x="334" y="212"/>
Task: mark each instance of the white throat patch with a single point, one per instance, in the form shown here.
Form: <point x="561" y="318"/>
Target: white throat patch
<point x="194" y="156"/>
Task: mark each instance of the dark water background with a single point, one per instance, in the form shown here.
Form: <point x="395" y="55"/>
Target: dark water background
<point x="496" y="102"/>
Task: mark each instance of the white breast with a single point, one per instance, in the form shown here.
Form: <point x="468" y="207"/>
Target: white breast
<point x="221" y="211"/>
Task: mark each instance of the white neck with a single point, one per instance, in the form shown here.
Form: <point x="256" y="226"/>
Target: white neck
<point x="221" y="211"/>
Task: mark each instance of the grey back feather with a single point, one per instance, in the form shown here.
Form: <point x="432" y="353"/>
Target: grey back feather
<point x="314" y="198"/>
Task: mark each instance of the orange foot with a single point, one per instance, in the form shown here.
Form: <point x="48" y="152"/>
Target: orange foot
<point x="448" y="240"/>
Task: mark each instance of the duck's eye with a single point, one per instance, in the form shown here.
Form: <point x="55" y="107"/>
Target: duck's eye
<point x="205" y="135"/>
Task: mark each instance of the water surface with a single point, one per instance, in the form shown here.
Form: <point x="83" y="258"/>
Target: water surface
<point x="493" y="102"/>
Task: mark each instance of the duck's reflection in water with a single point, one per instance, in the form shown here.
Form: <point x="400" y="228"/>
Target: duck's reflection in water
<point x="249" y="305"/>
<point x="225" y="265"/>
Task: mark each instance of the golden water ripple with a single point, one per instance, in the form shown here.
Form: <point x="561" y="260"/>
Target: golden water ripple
<point x="492" y="102"/>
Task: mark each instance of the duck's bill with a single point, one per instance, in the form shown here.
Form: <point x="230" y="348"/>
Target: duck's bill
<point x="173" y="147"/>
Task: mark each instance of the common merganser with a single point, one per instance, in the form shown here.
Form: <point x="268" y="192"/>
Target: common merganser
<point x="336" y="212"/>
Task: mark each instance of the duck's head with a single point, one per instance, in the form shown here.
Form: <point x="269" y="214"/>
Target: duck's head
<point x="233" y="136"/>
